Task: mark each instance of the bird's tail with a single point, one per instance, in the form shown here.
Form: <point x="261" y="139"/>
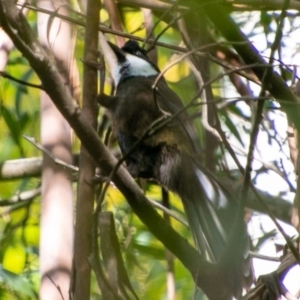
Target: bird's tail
<point x="214" y="216"/>
<point x="205" y="205"/>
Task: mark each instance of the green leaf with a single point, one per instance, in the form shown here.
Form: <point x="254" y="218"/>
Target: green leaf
<point x="12" y="123"/>
<point x="17" y="283"/>
<point x="231" y="126"/>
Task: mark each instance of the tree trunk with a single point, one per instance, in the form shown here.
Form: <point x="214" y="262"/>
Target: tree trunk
<point x="56" y="242"/>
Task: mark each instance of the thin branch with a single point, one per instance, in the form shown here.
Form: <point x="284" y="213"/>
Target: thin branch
<point x="150" y="34"/>
<point x="152" y="4"/>
<point x="168" y="212"/>
<point x="258" y="118"/>
<point x="266" y="5"/>
<point x="94" y="259"/>
<point x="167" y="119"/>
<point x="57" y="286"/>
<point x="232" y="32"/>
<point x="115" y="20"/>
<point x="23" y="196"/>
<point x="253" y="138"/>
<point x="20" y="168"/>
<point x="8" y="76"/>
<point x="105" y="29"/>
<point x="117" y="275"/>
<point x="44" y="150"/>
<point x="287" y="263"/>
<point x="264" y="257"/>
<point x="204" y="119"/>
<point x="276" y="86"/>
<point x="169" y="256"/>
<point x="257" y="195"/>
<point x="163" y="31"/>
<point x="267" y="165"/>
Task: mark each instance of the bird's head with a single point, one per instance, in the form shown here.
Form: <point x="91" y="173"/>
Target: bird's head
<point x="129" y="61"/>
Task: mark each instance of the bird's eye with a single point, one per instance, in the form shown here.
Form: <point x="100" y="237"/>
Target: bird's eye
<point x="138" y="53"/>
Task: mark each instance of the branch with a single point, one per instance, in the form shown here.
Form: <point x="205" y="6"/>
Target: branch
<point x="150" y="41"/>
<point x="265" y="5"/>
<point x="86" y="190"/>
<point x="277" y="87"/>
<point x="270" y="79"/>
<point x="31" y="167"/>
<point x="256" y="293"/>
<point x="25" y="83"/>
<point x="47" y="152"/>
<point x="235" y="5"/>
<point x="23" y="196"/>
<point x="20" y="168"/>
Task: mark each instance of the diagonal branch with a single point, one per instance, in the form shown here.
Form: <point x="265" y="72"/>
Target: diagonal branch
<point x="277" y="87"/>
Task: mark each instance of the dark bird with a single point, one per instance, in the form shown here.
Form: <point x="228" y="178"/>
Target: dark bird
<point x="168" y="154"/>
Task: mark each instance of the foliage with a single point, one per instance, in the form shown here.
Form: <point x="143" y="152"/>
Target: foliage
<point x="144" y="256"/>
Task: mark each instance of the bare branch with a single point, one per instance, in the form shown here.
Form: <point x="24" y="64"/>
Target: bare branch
<point x="47" y="152"/>
<point x="23" y="196"/>
<point x="86" y="190"/>
<point x="20" y="168"/>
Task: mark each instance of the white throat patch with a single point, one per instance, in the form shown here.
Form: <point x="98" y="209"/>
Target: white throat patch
<point x="133" y="66"/>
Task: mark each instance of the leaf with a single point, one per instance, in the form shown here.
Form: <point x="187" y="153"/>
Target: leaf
<point x="12" y="123"/>
<point x="24" y="119"/>
<point x="152" y="251"/>
<point x="112" y="256"/>
<point x="231" y="126"/>
<point x="21" y="90"/>
<point x="17" y="283"/>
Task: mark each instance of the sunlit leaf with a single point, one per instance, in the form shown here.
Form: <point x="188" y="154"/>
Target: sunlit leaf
<point x="14" y="259"/>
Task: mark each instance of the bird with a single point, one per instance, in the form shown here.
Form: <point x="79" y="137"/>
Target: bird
<point x="158" y="141"/>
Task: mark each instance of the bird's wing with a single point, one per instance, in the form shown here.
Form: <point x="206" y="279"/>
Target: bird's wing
<point x="172" y="104"/>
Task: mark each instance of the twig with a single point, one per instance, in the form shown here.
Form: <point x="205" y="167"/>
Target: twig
<point x="204" y="119"/>
<point x="258" y="197"/>
<point x="23" y="196"/>
<point x="259" y="5"/>
<point x="105" y="29"/>
<point x="8" y="76"/>
<point x="267" y="165"/>
<point x="168" y="212"/>
<point x="287" y="263"/>
<point x="156" y="24"/>
<point x="169" y="255"/>
<point x="146" y="134"/>
<point x="55" y="159"/>
<point x="192" y="102"/>
<point x="254" y="133"/>
<point x="163" y="31"/>
<point x="115" y="20"/>
<point x="57" y="286"/>
<point x="253" y="138"/>
<point x="264" y="257"/>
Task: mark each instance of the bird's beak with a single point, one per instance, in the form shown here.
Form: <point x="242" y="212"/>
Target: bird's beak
<point x="120" y="54"/>
<point x="112" y="54"/>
